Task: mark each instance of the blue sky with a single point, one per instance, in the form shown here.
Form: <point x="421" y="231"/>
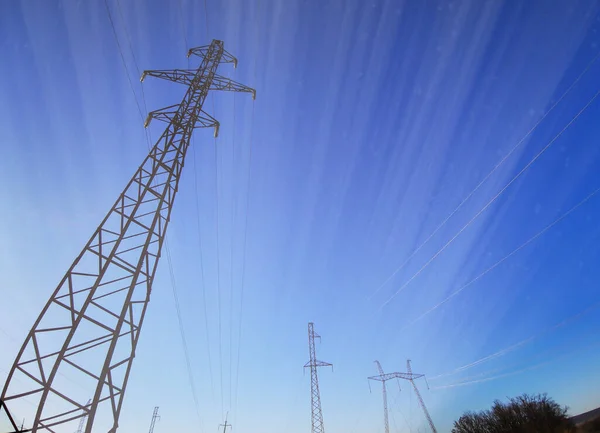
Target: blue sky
<point x="373" y="121"/>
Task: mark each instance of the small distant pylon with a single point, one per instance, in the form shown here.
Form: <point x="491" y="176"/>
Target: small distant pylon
<point x="384" y="378"/>
<point x="84" y="419"/>
<point x="155" y="417"/>
<point x="225" y="425"/>
<point x="410" y="376"/>
<point x="315" y="395"/>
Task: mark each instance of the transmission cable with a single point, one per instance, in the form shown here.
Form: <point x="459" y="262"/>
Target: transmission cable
<point x="244" y="250"/>
<point x="473" y="379"/>
<point x="182" y="332"/>
<point x="504" y="158"/>
<point x="518" y="345"/>
<point x="135" y="63"/>
<point x="147" y="135"/>
<point x="187" y="47"/>
<point x="246" y="212"/>
<point x="489" y="203"/>
<point x="513" y="252"/>
<point x="112" y="24"/>
<point x="233" y="211"/>
<point x="217" y="172"/>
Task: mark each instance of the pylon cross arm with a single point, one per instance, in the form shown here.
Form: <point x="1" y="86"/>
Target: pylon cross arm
<point x="168" y="115"/>
<point x="183" y="76"/>
<point x="386" y="377"/>
<point x="317" y="364"/>
<point x="202" y="51"/>
<point x="222" y="83"/>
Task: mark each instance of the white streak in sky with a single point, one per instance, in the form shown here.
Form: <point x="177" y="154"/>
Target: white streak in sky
<point x="523" y="245"/>
<point x="489" y="203"/>
<point x="504" y="158"/>
<point x="521" y="343"/>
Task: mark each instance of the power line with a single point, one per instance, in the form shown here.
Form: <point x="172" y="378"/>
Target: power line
<point x="233" y="209"/>
<point x="112" y="24"/>
<point x="472" y="380"/>
<point x="513" y="252"/>
<point x="135" y="63"/>
<point x="182" y="332"/>
<point x="489" y="203"/>
<point x="202" y="277"/>
<point x="504" y="158"/>
<point x="218" y="271"/>
<point x="183" y="24"/>
<point x="169" y="260"/>
<point x="245" y="242"/>
<point x="206" y="19"/>
<point x="128" y="39"/>
<point x="243" y="285"/>
<point x="518" y="345"/>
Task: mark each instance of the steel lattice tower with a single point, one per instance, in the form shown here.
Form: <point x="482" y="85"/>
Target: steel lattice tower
<point x="410" y="376"/>
<point x="155" y="416"/>
<point x="315" y="395"/>
<point x="82" y="421"/>
<point x="383" y="378"/>
<point x="89" y="329"/>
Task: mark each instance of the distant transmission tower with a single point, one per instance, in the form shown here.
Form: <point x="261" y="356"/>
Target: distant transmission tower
<point x="83" y="420"/>
<point x="315" y="395"/>
<point x="155" y="417"/>
<point x="384" y="378"/>
<point x="410" y="376"/>
<point x="89" y="329"/>
<point x="225" y="425"/>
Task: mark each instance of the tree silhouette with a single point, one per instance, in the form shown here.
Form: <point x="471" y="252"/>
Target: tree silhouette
<point x="523" y="414"/>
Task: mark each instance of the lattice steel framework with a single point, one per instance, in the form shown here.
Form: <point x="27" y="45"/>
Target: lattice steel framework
<point x="410" y="376"/>
<point x="155" y="417"/>
<point x="383" y="379"/>
<point x="82" y="421"/>
<point x="83" y="343"/>
<point x="315" y="395"/>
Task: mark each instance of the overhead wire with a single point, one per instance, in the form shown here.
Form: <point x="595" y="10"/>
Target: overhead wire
<point x="493" y="199"/>
<point x="135" y="63"/>
<point x="245" y="230"/>
<point x="233" y="212"/>
<point x="472" y="380"/>
<point x="182" y="332"/>
<point x="148" y="138"/>
<point x="519" y="344"/>
<point x="202" y="274"/>
<point x="217" y="171"/>
<point x="206" y="20"/>
<point x="496" y="264"/>
<point x="112" y="24"/>
<point x="220" y="340"/>
<point x="181" y="16"/>
<point x="198" y="224"/>
<point x="487" y="176"/>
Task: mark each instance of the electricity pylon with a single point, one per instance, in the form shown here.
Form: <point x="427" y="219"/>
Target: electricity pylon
<point x="225" y="425"/>
<point x="384" y="378"/>
<point x="155" y="417"/>
<point x="89" y="328"/>
<point x="410" y="376"/>
<point x="83" y="420"/>
<point x="315" y="395"/>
